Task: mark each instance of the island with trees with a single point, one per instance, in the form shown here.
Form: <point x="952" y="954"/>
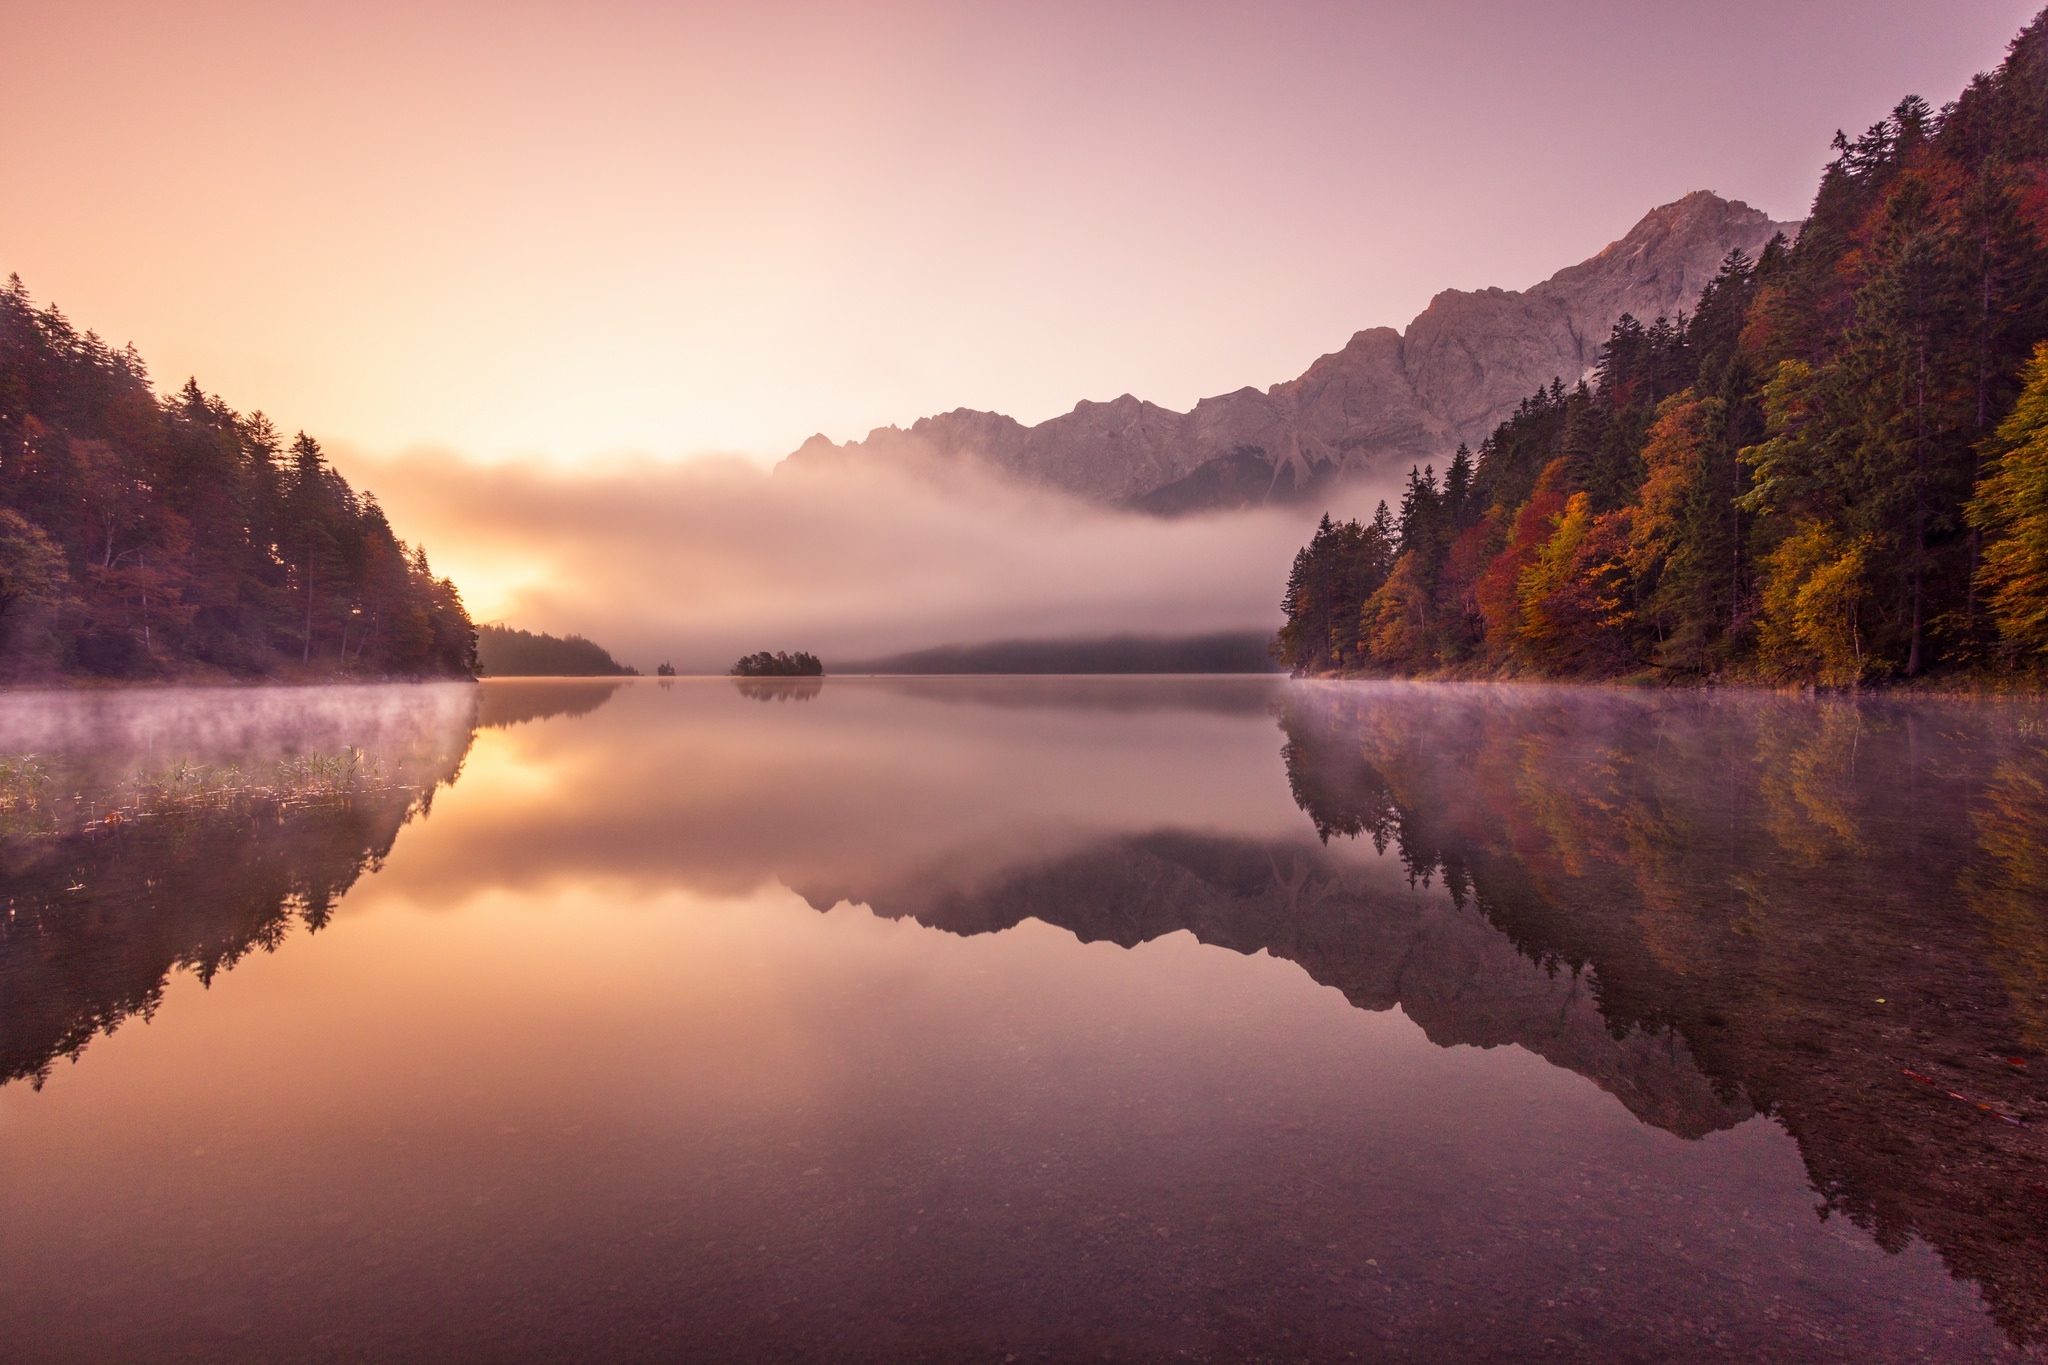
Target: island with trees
<point x="778" y="665"/>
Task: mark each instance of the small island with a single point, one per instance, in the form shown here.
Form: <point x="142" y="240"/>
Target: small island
<point x="778" y="665"/>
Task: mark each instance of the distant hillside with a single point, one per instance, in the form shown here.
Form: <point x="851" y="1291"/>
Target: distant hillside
<point x="1385" y="401"/>
<point x="507" y="653"/>
<point x="1228" y="652"/>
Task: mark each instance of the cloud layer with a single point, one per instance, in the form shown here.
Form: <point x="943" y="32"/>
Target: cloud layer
<point x="699" y="561"/>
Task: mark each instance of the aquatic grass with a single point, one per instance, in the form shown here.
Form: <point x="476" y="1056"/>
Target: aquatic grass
<point x="181" y="787"/>
<point x="24" y="779"/>
<point x="336" y="776"/>
<point x="186" y="789"/>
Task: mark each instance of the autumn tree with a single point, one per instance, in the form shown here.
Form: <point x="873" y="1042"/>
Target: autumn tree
<point x="2011" y="509"/>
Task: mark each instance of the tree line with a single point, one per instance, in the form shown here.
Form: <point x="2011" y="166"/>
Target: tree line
<point x="506" y="652"/>
<point x="1834" y="469"/>
<point x="170" y="536"/>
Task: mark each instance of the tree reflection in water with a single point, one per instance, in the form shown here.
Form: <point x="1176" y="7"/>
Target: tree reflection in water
<point x="118" y="874"/>
<point x="779" y="689"/>
<point x="1816" y="898"/>
<point x="1709" y="906"/>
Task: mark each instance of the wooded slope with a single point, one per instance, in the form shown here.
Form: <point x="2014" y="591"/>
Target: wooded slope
<point x="145" y="536"/>
<point x="1834" y="469"/>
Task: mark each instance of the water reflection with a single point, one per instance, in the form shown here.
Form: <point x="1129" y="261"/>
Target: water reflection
<point x="1818" y="898"/>
<point x="517" y="701"/>
<point x="1383" y="945"/>
<point x="779" y="689"/>
<point x="212" y="826"/>
<point x="726" y="1124"/>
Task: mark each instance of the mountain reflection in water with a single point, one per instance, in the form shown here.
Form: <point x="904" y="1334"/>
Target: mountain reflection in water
<point x="700" y="1126"/>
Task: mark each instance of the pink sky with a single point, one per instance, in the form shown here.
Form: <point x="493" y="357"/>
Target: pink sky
<point x="574" y="231"/>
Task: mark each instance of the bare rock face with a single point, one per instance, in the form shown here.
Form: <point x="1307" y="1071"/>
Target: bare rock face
<point x="1385" y="401"/>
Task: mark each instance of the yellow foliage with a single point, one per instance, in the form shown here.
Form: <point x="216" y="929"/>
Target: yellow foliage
<point x="1672" y="458"/>
<point x="1552" y="571"/>
<point x="1813" y="590"/>
<point x="2012" y="504"/>
<point x="1785" y="462"/>
<point x="1395" y="621"/>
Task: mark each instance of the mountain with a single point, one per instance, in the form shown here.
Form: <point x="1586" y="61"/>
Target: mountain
<point x="1387" y="400"/>
<point x="1858" y="418"/>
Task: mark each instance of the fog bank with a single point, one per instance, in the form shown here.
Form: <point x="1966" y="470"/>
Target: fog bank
<point x="699" y="561"/>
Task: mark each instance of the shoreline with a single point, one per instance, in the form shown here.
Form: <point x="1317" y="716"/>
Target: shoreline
<point x="1944" y="688"/>
<point x="171" y="684"/>
<point x="1972" y="687"/>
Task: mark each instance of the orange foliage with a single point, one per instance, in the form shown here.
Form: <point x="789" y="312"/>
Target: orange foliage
<point x="1671" y="457"/>
<point x="1466" y="564"/>
<point x="1576" y="597"/>
<point x="1499" y="588"/>
<point x="1395" y="621"/>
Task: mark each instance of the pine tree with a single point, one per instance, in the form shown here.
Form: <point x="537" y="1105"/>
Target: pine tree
<point x="1458" y="500"/>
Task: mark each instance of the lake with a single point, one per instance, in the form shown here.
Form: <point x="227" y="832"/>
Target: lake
<point x="1015" y="1019"/>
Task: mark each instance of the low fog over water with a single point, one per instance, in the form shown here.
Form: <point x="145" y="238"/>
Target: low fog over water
<point x="701" y="561"/>
<point x="93" y="740"/>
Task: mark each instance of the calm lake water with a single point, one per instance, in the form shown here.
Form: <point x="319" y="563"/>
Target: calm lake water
<point x="1021" y="1019"/>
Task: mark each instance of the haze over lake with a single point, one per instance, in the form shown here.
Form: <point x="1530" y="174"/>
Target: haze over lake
<point x="999" y="1018"/>
<point x="962" y="684"/>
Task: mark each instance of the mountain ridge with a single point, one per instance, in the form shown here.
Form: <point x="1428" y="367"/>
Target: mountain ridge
<point x="1387" y="398"/>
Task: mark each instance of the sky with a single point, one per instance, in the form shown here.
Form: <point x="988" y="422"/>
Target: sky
<point x="568" y="231"/>
<point x="570" y="240"/>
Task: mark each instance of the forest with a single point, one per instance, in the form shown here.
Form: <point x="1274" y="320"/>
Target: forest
<point x="172" y="537"/>
<point x="504" y="652"/>
<point x="1833" y="471"/>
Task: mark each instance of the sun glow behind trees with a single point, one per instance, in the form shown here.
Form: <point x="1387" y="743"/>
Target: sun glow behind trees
<point x="144" y="536"/>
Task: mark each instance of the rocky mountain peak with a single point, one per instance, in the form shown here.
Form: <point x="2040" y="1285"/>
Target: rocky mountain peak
<point x="1386" y="400"/>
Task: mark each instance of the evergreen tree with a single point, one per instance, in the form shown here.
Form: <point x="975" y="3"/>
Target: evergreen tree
<point x="1458" y="501"/>
<point x="1333" y="577"/>
<point x="186" y="538"/>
